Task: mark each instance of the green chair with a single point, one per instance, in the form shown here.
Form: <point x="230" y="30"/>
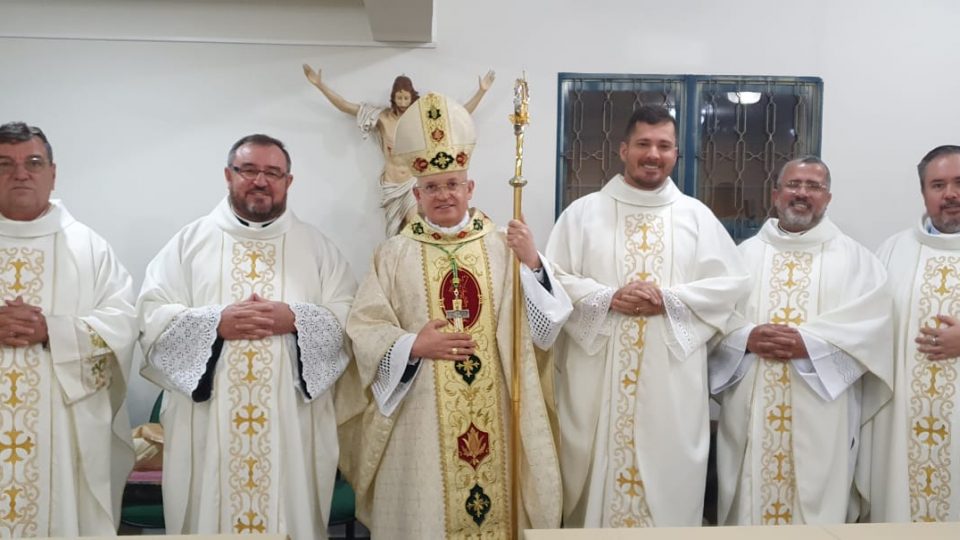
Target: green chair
<point x="343" y="506"/>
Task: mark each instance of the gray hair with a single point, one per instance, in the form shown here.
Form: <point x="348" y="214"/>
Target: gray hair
<point x="804" y="160"/>
<point x="19" y="132"/>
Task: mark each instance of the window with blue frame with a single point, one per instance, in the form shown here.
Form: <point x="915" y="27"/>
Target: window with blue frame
<point x="735" y="133"/>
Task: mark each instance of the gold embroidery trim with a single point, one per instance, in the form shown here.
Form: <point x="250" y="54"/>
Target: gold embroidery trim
<point x="96" y="371"/>
<point x="21" y="274"/>
<point x="789" y="296"/>
<point x="932" y="398"/>
<point x="250" y="370"/>
<point x="465" y="409"/>
<point x="627" y="499"/>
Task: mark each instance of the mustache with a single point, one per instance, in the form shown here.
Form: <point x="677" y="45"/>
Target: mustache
<point x="953" y="204"/>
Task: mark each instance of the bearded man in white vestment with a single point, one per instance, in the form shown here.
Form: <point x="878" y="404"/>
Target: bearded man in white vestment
<point x="426" y="421"/>
<point x="242" y="317"/>
<point x="653" y="275"/>
<point x="914" y="461"/>
<point x="804" y="364"/>
<point x="67" y="330"/>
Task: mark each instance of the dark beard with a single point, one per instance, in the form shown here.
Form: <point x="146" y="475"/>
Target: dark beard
<point x="249" y="211"/>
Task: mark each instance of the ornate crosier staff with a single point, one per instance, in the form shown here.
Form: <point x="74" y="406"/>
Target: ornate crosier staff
<point x="520" y="118"/>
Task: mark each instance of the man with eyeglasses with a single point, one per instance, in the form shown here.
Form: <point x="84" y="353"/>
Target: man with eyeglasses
<point x="803" y="365"/>
<point x="653" y="275"/>
<point x="914" y="474"/>
<point x="67" y="331"/>
<point x="428" y="416"/>
<point x="242" y="317"/>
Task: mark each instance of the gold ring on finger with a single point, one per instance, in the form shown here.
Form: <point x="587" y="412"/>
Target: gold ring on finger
<point x="454" y="351"/>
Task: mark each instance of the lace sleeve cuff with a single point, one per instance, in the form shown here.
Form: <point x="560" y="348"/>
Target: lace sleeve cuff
<point x="681" y="322"/>
<point x="591" y="321"/>
<point x="388" y="387"/>
<point x="320" y="339"/>
<point x="547" y="310"/>
<point x="183" y="349"/>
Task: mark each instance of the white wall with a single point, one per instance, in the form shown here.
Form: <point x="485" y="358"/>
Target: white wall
<point x="141" y="105"/>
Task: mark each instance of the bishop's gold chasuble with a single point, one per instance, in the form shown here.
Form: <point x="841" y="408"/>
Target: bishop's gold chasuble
<point x="436" y="465"/>
<point x="469" y="394"/>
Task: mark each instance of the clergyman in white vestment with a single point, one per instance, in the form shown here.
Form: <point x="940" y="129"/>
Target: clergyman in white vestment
<point x="242" y="316"/>
<point x="427" y="422"/>
<point x="653" y="275"/>
<point x="804" y="364"/>
<point x="67" y="331"/>
<point x="914" y="461"/>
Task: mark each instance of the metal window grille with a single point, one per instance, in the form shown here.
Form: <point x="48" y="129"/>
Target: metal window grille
<point x="734" y="133"/>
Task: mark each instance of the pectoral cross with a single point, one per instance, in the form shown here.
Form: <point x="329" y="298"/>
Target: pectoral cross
<point x="457" y="314"/>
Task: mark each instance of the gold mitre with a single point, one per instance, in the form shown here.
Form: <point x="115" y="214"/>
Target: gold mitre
<point x="435" y="135"/>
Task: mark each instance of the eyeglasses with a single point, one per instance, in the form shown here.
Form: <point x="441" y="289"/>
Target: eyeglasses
<point x="437" y="189"/>
<point x="251" y="173"/>
<point x="33" y="164"/>
<point x="794" y="186"/>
